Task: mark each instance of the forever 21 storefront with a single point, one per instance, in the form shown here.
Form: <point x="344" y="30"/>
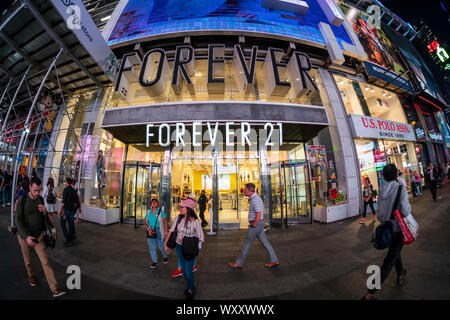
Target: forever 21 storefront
<point x="212" y="97"/>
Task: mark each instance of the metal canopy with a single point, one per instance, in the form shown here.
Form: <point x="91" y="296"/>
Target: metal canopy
<point x="29" y="36"/>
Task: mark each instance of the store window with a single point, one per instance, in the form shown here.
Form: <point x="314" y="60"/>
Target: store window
<point x="373" y="154"/>
<point x="369" y="100"/>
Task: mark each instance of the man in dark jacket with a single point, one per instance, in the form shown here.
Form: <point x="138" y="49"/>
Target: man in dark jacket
<point x="202" y="201"/>
<point x="432" y="175"/>
<point x="69" y="203"/>
<point x="30" y="221"/>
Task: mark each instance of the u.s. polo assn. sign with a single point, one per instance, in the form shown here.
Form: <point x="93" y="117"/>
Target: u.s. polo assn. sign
<point x="375" y="128"/>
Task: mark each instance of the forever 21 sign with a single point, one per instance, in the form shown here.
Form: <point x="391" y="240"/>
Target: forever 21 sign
<point x="152" y="72"/>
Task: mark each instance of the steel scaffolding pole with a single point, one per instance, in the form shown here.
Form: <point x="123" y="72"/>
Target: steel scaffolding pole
<point x="6" y="89"/>
<point x="24" y="136"/>
<point x="65" y="109"/>
<point x="31" y="155"/>
<point x="14" y="99"/>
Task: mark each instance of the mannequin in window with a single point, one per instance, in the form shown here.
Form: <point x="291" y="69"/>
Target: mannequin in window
<point x="100" y="164"/>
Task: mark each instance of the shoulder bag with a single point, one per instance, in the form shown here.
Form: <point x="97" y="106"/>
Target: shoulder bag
<point x="408" y="225"/>
<point x="189" y="248"/>
<point x="172" y="241"/>
<point x="153" y="236"/>
<point x="381" y="238"/>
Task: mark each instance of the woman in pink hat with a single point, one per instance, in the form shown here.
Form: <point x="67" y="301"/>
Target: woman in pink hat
<point x="187" y="225"/>
<point x="179" y="270"/>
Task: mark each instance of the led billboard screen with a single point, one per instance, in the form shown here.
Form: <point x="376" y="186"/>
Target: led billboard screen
<point x="148" y="18"/>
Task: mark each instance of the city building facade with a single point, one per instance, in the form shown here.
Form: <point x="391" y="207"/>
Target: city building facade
<point x="304" y="100"/>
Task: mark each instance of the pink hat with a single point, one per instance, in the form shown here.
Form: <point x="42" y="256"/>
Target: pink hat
<point x="188" y="202"/>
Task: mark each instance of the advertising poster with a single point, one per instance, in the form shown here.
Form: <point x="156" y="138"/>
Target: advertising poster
<point x="383" y="63"/>
<point x="375" y="42"/>
<point x="317" y="158"/>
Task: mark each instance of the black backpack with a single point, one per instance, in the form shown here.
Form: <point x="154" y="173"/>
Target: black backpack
<point x="51" y="197"/>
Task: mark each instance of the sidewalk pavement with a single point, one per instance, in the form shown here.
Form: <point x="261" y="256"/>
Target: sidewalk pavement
<point x="318" y="261"/>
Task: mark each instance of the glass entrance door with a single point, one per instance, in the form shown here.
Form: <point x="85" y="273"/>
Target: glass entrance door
<point x="248" y="173"/>
<point x="141" y="184"/>
<point x="298" y="196"/>
<point x="227" y="186"/>
<point x="291" y="193"/>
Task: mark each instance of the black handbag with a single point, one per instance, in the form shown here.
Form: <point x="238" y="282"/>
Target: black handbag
<point x="49" y="233"/>
<point x="190" y="248"/>
<point x="172" y="241"/>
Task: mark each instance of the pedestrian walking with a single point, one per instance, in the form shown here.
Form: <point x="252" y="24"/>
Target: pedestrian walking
<point x="202" y="201"/>
<point x="418" y="183"/>
<point x="78" y="213"/>
<point x="400" y="179"/>
<point x="156" y="226"/>
<point x="6" y="189"/>
<point x="256" y="230"/>
<point x="179" y="270"/>
<point x="432" y="174"/>
<point x="447" y="170"/>
<point x="30" y="222"/>
<point x="189" y="230"/>
<point x="386" y="199"/>
<point x="50" y="196"/>
<point x="368" y="199"/>
<point x="69" y="203"/>
<point x="412" y="181"/>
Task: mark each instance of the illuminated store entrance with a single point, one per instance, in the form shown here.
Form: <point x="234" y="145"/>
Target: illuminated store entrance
<point x="223" y="180"/>
<point x="290" y="193"/>
<point x="141" y="183"/>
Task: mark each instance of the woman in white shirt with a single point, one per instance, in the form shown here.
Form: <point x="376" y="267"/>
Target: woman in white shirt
<point x="188" y="225"/>
<point x="50" y="201"/>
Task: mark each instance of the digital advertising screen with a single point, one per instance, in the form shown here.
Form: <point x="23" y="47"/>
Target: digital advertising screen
<point x="375" y="42"/>
<point x="148" y="18"/>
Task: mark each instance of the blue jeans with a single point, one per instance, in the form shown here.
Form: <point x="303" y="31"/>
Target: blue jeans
<point x="179" y="261"/>
<point x="419" y="185"/>
<point x="6" y="194"/>
<point x="70" y="217"/>
<point x="187" y="268"/>
<point x="156" y="242"/>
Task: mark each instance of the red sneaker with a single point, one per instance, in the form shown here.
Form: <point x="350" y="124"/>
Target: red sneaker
<point x="363" y="221"/>
<point x="177" y="273"/>
<point x="194" y="268"/>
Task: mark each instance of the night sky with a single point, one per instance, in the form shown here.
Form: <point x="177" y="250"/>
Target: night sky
<point x="435" y="13"/>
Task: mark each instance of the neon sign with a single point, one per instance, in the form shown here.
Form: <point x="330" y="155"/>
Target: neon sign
<point x="433" y="46"/>
<point x="442" y="54"/>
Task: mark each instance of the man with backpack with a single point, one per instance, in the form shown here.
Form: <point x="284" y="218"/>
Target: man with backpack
<point x="386" y="200"/>
<point x="30" y="221"/>
<point x="70" y="202"/>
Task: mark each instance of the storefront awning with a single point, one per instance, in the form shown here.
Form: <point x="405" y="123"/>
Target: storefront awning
<point x="300" y="122"/>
